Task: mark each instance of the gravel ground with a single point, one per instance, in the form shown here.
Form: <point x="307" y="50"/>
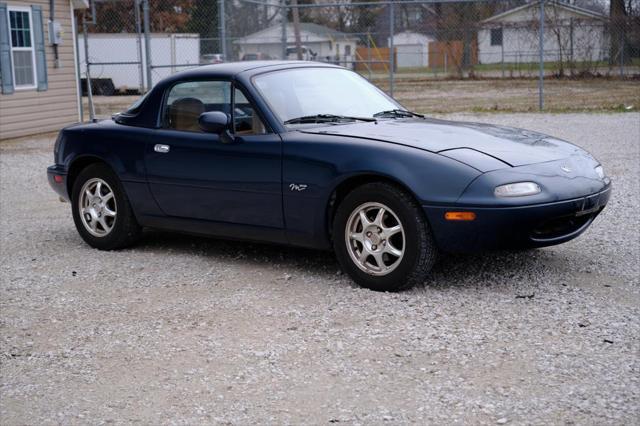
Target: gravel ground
<point x="183" y="330"/>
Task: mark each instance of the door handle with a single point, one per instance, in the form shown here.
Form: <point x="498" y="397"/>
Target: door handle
<point x="163" y="149"/>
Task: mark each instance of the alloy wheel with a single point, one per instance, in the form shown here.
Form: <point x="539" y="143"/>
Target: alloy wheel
<point x="375" y="239"/>
<point x="98" y="209"/>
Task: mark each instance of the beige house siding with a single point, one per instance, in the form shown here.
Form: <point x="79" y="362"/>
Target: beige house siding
<point x="28" y="112"/>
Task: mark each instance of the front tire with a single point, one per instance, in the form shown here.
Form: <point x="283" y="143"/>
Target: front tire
<point x="101" y="210"/>
<point x="382" y="239"/>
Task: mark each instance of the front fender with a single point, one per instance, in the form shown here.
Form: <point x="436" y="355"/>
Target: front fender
<point x="321" y="163"/>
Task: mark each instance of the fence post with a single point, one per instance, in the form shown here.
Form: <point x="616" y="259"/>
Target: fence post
<point x="172" y="50"/>
<point x="283" y="37"/>
<point x="621" y="55"/>
<point x="541" y="49"/>
<point x="92" y="112"/>
<point x="139" y="44"/>
<point x="222" y="28"/>
<point x="78" y="72"/>
<point x="392" y="61"/>
<point x="147" y="41"/>
<point x="502" y="51"/>
<point x="445" y="62"/>
<point x="369" y="65"/>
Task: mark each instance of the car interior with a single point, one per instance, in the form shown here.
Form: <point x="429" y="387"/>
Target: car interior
<point x="183" y="114"/>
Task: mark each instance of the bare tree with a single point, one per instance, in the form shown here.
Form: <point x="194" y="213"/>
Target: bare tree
<point x="296" y="28"/>
<point x="619" y="51"/>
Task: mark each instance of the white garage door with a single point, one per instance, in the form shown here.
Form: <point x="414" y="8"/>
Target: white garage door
<point x="411" y="55"/>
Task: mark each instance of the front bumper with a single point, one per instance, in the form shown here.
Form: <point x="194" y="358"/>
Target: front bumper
<point x="536" y="225"/>
<point x="57" y="177"/>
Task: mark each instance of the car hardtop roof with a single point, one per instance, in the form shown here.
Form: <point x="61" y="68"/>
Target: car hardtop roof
<point x="147" y="115"/>
<point x="230" y="69"/>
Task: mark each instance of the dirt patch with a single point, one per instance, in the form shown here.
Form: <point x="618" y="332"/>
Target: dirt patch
<point x="429" y="96"/>
<point x="507" y="95"/>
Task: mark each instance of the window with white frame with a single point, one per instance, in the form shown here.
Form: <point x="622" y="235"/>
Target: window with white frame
<point x="22" y="50"/>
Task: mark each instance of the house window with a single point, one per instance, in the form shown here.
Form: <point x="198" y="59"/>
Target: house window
<point x="496" y="36"/>
<point x="347" y="50"/>
<point x="22" y="51"/>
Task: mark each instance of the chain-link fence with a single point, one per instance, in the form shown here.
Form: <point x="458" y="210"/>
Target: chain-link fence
<point x="402" y="46"/>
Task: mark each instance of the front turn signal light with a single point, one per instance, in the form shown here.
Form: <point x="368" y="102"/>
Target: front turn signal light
<point x="461" y="216"/>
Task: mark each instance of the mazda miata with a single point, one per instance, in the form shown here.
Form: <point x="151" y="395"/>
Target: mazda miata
<point x="313" y="155"/>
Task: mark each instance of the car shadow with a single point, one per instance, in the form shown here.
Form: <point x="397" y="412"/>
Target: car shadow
<point x="296" y="258"/>
<point x="503" y="268"/>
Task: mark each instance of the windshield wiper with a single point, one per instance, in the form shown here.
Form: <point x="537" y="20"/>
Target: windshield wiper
<point x="325" y="118"/>
<point x="397" y="113"/>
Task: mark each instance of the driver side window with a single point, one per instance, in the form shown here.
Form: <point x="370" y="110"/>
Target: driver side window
<point x="186" y="101"/>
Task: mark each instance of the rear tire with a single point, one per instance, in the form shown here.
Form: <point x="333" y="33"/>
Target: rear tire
<point x="101" y="210"/>
<point x="382" y="239"/>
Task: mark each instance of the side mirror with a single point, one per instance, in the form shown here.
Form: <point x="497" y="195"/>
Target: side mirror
<point x="214" y="121"/>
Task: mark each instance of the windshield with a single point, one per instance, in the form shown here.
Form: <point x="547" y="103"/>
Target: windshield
<point x="304" y="92"/>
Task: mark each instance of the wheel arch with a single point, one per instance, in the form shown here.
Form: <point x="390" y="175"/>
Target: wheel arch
<point x="345" y="186"/>
<point x="79" y="164"/>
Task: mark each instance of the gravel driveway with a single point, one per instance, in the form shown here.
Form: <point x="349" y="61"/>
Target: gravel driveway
<point x="185" y="330"/>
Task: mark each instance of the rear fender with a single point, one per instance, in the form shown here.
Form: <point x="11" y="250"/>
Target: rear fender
<point x="120" y="147"/>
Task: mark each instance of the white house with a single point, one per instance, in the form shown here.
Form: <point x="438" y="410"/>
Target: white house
<point x="39" y="89"/>
<point x="412" y="49"/>
<point x="329" y="45"/>
<point x="571" y="34"/>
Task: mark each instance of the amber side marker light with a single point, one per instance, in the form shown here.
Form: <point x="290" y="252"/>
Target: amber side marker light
<point x="464" y="216"/>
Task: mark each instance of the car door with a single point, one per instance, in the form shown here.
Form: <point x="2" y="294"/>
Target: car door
<point x="199" y="175"/>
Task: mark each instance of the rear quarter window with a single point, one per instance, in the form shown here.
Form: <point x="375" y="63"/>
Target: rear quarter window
<point x="137" y="105"/>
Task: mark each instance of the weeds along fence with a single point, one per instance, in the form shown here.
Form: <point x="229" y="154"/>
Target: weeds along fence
<point x="126" y="46"/>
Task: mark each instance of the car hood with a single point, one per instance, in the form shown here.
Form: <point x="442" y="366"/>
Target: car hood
<point x="515" y="147"/>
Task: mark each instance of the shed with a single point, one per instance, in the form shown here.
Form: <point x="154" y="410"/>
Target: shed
<point x="412" y="49"/>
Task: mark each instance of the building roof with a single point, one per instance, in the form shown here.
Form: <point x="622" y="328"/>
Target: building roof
<point x="561" y="5"/>
<point x="322" y="30"/>
<point x="272" y="34"/>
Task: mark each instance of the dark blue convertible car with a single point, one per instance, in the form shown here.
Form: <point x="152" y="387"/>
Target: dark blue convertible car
<point x="313" y="155"/>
